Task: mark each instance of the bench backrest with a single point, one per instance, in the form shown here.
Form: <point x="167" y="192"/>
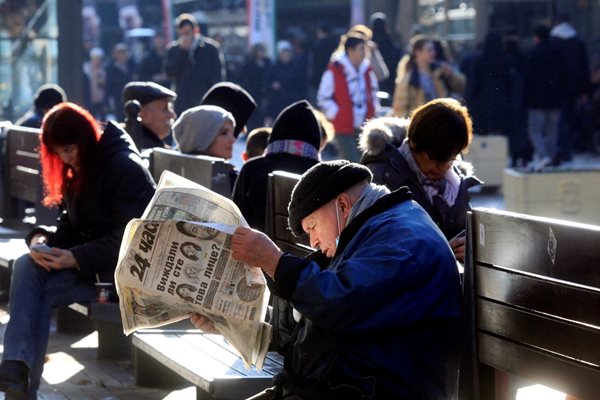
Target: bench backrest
<point x="532" y="296"/>
<point x="279" y="191"/>
<point x="211" y="172"/>
<point x="22" y="177"/>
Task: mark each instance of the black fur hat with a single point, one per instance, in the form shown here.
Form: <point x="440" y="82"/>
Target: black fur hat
<point x="232" y="98"/>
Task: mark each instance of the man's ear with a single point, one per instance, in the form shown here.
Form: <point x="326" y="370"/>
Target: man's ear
<point x="345" y="203"/>
<point x="244" y="156"/>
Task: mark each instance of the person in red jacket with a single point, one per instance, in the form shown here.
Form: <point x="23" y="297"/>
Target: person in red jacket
<point x="348" y="94"/>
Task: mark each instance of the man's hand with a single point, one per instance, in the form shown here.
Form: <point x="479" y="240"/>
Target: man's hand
<point x="58" y="259"/>
<point x="255" y="249"/>
<point x="458" y="247"/>
<point x="203" y="323"/>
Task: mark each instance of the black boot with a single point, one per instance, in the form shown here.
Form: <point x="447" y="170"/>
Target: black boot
<point x="14" y="379"/>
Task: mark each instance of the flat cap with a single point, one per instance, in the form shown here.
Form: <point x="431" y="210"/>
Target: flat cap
<point x="145" y="92"/>
<point x="320" y="184"/>
<point x="232" y="98"/>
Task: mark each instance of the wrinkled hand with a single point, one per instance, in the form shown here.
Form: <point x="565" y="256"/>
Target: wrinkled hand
<point x="255" y="249"/>
<point x="458" y="247"/>
<point x="203" y="323"/>
<point x="59" y="259"/>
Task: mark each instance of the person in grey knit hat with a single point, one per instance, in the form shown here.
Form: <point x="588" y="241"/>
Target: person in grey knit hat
<point x="206" y="130"/>
<point x="381" y="317"/>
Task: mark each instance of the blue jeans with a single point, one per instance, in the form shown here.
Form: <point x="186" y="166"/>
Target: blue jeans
<point x="543" y="132"/>
<point x="34" y="292"/>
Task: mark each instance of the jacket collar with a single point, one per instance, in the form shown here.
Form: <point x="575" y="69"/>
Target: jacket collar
<point x="380" y="206"/>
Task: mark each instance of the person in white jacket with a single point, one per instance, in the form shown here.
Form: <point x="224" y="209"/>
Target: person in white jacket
<point x="348" y="94"/>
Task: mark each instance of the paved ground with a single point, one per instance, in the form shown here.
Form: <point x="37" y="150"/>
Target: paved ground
<point x="72" y="372"/>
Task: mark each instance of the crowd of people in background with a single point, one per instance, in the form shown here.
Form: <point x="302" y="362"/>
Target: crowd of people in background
<point x="411" y="145"/>
<point x="539" y="98"/>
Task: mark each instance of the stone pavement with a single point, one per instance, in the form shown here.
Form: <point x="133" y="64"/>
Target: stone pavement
<point x="72" y="372"/>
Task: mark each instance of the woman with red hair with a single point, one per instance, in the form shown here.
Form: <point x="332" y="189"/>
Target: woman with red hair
<point x="99" y="183"/>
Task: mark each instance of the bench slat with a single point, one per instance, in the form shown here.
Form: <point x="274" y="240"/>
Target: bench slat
<point x="505" y="239"/>
<point x="553" y="371"/>
<point x="201" y="360"/>
<point x="538" y="294"/>
<point x="544" y="332"/>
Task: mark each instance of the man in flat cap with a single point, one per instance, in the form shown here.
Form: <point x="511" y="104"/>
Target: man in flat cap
<point x="382" y="319"/>
<point x="156" y="114"/>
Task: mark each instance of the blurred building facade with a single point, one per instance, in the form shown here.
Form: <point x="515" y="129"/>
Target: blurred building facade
<point x="47" y="40"/>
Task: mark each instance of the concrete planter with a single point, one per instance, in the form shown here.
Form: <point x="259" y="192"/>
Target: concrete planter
<point x="489" y="156"/>
<point x="572" y="195"/>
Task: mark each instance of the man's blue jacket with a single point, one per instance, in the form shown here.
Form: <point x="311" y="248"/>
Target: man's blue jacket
<point x="382" y="320"/>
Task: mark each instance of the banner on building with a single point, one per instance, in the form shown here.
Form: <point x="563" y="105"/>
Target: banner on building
<point x="261" y="24"/>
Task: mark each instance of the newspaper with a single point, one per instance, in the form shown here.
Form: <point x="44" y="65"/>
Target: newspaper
<point x="176" y="260"/>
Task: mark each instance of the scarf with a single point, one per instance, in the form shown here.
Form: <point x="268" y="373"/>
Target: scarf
<point x="446" y="188"/>
<point x="295" y="147"/>
<point x="367" y="198"/>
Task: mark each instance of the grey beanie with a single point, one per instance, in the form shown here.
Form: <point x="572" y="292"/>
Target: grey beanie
<point x="197" y="127"/>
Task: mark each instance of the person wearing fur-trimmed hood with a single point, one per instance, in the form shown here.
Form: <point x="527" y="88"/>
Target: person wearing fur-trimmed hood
<point x="428" y="161"/>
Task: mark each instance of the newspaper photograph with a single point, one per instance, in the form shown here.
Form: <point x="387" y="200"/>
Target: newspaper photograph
<point x="176" y="260"/>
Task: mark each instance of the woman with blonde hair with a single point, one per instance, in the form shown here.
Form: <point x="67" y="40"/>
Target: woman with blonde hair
<point x="421" y="79"/>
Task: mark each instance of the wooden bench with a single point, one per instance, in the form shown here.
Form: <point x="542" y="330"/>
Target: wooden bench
<point x="532" y="304"/>
<point x="206" y="361"/>
<point x="21" y="197"/>
<point x="211" y="172"/>
<point x="22" y="188"/>
<point x="279" y="191"/>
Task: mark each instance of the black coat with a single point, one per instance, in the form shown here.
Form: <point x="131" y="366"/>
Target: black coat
<point x="32" y="119"/>
<point x="290" y="79"/>
<point x="391" y="169"/>
<point x="250" y="190"/>
<point x="545" y="77"/>
<point x="91" y="224"/>
<point x="193" y="76"/>
<point x="149" y="140"/>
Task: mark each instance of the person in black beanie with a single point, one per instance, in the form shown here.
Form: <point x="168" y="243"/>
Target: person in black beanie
<point x="382" y="319"/>
<point x="293" y="147"/>
<point x="234" y="99"/>
<point x="46" y="97"/>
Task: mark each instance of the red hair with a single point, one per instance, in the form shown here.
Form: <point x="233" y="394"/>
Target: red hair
<point x="66" y="124"/>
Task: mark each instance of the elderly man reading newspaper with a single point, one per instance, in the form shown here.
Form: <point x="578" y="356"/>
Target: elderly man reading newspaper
<point x="381" y="320"/>
<point x="174" y="263"/>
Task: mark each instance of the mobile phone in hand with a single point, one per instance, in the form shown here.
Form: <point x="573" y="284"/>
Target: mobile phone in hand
<point x="460" y="234"/>
<point x="41" y="248"/>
